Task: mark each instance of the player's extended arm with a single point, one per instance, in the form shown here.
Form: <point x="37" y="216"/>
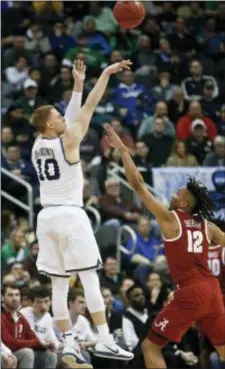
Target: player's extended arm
<point x="77" y="131"/>
<point x="217" y="236"/>
<point x="76" y="98"/>
<point x="135" y="179"/>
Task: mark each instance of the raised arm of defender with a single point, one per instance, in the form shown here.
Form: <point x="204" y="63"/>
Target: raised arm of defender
<point x="158" y="209"/>
<point x="75" y="133"/>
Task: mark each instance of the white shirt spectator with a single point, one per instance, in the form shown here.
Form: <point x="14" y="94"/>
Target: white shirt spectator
<point x="129" y="335"/>
<point x="16" y="77"/>
<point x="43" y="327"/>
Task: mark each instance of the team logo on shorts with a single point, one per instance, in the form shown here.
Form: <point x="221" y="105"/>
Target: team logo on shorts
<point x="162" y="324"/>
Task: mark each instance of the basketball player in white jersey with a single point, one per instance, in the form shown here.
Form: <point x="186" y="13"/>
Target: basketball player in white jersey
<point x="66" y="240"/>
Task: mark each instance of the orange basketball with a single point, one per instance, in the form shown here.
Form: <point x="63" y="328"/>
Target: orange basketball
<point x="129" y="14"/>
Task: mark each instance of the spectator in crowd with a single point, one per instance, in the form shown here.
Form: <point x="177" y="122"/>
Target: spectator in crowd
<point x="8" y="360"/>
<point x="198" y="144"/>
<point x="210" y="104"/>
<point x="156" y="293"/>
<point x="210" y="40"/>
<point x="17" y="74"/>
<point x="21" y="276"/>
<point x="124" y="286"/>
<point x="193" y="85"/>
<point x="114" y="318"/>
<point x="195" y="20"/>
<point x="37" y="41"/>
<point x="194" y="112"/>
<point x="39" y="318"/>
<point x="109" y="275"/>
<point x="180" y="156"/>
<point x="14" y="249"/>
<point x="177" y="106"/>
<point x="62" y="104"/>
<point x="60" y="84"/>
<point x="19" y="337"/>
<point x="49" y="70"/>
<point x="29" y="263"/>
<point x="142" y="160"/>
<point x="147" y="246"/>
<point x="167" y="17"/>
<point x="144" y="56"/>
<point x="164" y="53"/>
<point x="60" y="41"/>
<point x="103" y="16"/>
<point x="165" y="89"/>
<point x="216" y="158"/>
<point x="123" y="134"/>
<point x="117" y="306"/>
<point x="7" y="138"/>
<point x="159" y="142"/>
<point x="17" y="51"/>
<point x="128" y="91"/>
<point x="161" y="111"/>
<point x="7" y="91"/>
<point x="135" y="317"/>
<point x="181" y="39"/>
<point x="114" y="208"/>
<point x="106" y="111"/>
<point x="220" y="124"/>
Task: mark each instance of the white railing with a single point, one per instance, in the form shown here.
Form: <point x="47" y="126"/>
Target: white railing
<point x="120" y="248"/>
<point x="27" y="207"/>
<point x="97" y="218"/>
<point x="118" y="172"/>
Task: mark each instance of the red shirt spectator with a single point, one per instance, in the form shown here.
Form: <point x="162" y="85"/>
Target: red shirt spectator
<point x="184" y="125"/>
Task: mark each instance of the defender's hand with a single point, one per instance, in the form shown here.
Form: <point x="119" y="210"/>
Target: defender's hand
<point x="113" y="139"/>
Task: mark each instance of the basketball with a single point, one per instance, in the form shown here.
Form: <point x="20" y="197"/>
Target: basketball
<point x="129" y="14"/>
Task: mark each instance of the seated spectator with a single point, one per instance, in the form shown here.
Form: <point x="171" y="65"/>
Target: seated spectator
<point x="193" y="85"/>
<point x="49" y="70"/>
<point x="142" y="159"/>
<point x="61" y="83"/>
<point x="80" y="325"/>
<point x="105" y="111"/>
<point x="147" y="246"/>
<point x="124" y="286"/>
<point x="182" y="40"/>
<point x="216" y="158"/>
<point x="123" y="134"/>
<point x="16" y="75"/>
<point x="7" y="139"/>
<point x="159" y="143"/>
<point x="198" y="144"/>
<point x="39" y="318"/>
<point x="8" y="360"/>
<point x="90" y="150"/>
<point x="220" y="124"/>
<point x="156" y="293"/>
<point x="180" y="156"/>
<point x="7" y="90"/>
<point x="135" y="317"/>
<point x="13" y="162"/>
<point x="195" y="20"/>
<point x="152" y="29"/>
<point x="62" y="104"/>
<point x="210" y="104"/>
<point x="89" y="199"/>
<point x="164" y="53"/>
<point x="29" y="262"/>
<point x="127" y="92"/>
<point x="161" y="111"/>
<point x="103" y="16"/>
<point x="117" y="305"/>
<point x="14" y="249"/>
<point x="177" y="106"/>
<point x="114" y="209"/>
<point x="37" y="41"/>
<point x="164" y="90"/>
<point x="25" y="297"/>
<point x="35" y="75"/>
<point x="184" y="124"/>
<point x="114" y="318"/>
<point x="144" y="56"/>
<point x="19" y="337"/>
<point x="109" y="276"/>
<point x="210" y="40"/>
<point x="31" y="100"/>
<point x="166" y="18"/>
<point x="21" y="276"/>
<point x="60" y="42"/>
<point x="17" y="51"/>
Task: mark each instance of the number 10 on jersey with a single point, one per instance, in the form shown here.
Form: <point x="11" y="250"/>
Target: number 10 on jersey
<point x="48" y="169"/>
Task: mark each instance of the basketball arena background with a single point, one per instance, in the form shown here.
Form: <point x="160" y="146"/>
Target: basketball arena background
<point x="169" y="110"/>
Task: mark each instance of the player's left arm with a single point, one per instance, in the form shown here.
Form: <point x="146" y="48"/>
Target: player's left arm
<point x="74" y="105"/>
<point x="216" y="235"/>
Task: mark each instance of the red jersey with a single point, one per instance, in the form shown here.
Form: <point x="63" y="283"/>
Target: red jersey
<point x="216" y="262"/>
<point x="187" y="254"/>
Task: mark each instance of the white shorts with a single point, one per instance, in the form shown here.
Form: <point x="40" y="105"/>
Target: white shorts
<point x="66" y="242"/>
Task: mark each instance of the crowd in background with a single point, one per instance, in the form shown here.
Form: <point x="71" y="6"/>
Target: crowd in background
<point x="169" y="110"/>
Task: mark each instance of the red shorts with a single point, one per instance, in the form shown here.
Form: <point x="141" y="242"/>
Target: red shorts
<point x="200" y="303"/>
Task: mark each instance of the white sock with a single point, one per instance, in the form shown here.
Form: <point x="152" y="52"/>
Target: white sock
<point x="68" y="339"/>
<point x="103" y="331"/>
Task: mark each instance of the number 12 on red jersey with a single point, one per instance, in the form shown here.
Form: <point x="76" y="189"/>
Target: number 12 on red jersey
<point x="195" y="240"/>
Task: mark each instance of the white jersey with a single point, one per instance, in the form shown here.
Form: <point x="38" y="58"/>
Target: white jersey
<point x="61" y="183"/>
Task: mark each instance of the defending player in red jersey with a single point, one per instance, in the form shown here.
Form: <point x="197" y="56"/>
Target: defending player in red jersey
<point x="216" y="262"/>
<point x="187" y="232"/>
